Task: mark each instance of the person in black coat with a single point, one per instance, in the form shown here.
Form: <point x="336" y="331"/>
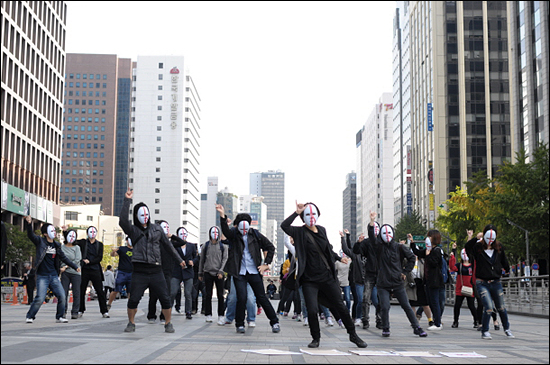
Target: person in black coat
<point x="29" y="279"/>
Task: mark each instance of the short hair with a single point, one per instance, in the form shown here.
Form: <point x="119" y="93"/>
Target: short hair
<point x="109" y="267"/>
<point x="242" y="217"/>
<point x="302" y="214"/>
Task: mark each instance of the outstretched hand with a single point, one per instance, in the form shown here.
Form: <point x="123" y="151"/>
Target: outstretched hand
<point x="300" y="208"/>
<point x="129" y="194"/>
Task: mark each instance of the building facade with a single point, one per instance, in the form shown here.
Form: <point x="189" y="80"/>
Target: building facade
<point x="349" y="206"/>
<point x="33" y="76"/>
<point x="165" y="140"/>
<point x="208" y="208"/>
<point x="96" y="129"/>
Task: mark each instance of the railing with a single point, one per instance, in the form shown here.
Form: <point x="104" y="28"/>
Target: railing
<point x="522" y="295"/>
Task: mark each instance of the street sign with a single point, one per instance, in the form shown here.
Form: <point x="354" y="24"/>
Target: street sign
<point x="419" y="238"/>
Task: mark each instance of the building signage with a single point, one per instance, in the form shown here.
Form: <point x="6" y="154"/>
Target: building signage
<point x="174" y="78"/>
<point x="430" y="121"/>
<point x="432" y="202"/>
<point x="16" y="201"/>
<point x="409" y="160"/>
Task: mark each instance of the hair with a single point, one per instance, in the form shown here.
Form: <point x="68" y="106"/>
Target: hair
<point x="44" y="228"/>
<point x="302" y="214"/>
<point x="496" y="245"/>
<point x="109" y="267"/>
<point x="435" y="237"/>
<point x="242" y="217"/>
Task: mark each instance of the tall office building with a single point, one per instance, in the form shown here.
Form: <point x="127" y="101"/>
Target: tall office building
<point x="402" y="182"/>
<point x="349" y="206"/>
<point x="529" y="72"/>
<point x="165" y="140"/>
<point x="375" y="163"/>
<point x="208" y="208"/>
<point x="96" y="129"/>
<point x="33" y="73"/>
<point x="230" y="204"/>
<point x="271" y="185"/>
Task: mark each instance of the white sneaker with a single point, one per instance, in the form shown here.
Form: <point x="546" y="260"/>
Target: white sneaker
<point x="208" y="318"/>
<point x="80" y="314"/>
<point x="299" y="318"/>
<point x="28" y="320"/>
<point x="221" y="321"/>
<point x="152" y="321"/>
<point x="358" y="322"/>
<point x="509" y="334"/>
<point x="62" y="320"/>
<point x="252" y="324"/>
<point x="306" y="322"/>
<point x="329" y="321"/>
<point x="106" y="315"/>
<point x="486" y="336"/>
<point x="435" y="328"/>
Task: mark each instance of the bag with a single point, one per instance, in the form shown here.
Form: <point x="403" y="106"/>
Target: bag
<point x="465" y="291"/>
<point x="289" y="279"/>
<point x="444" y="270"/>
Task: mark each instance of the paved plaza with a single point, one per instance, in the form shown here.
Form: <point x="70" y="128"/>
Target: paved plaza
<point x="93" y="339"/>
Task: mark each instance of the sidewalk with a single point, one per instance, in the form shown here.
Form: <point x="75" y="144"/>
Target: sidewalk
<point x="93" y="339"/>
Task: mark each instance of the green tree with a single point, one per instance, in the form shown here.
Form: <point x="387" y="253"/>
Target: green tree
<point x="410" y="223"/>
<point x="20" y="249"/>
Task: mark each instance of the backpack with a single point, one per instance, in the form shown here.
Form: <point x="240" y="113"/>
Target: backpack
<point x="444" y="269"/>
<point x="205" y="247"/>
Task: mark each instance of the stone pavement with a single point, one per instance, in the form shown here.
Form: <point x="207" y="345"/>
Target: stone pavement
<point x="93" y="339"/>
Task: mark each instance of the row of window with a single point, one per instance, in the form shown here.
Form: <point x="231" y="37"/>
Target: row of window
<point x="90" y="93"/>
<point x="81" y="172"/>
<point x="81" y="190"/>
<point x="85" y="76"/>
<point x="85" y="136"/>
<point x="83" y="111"/>
<point x="83" y="128"/>
<point x="90" y="102"/>
<point x="83" y="119"/>
<point x="88" y="84"/>
<point x="76" y="163"/>
<point x="87" y="198"/>
<point x="88" y="154"/>
<point x="81" y="181"/>
<point x="82" y="146"/>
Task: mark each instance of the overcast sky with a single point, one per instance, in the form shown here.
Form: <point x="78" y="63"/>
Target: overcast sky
<point x="284" y="85"/>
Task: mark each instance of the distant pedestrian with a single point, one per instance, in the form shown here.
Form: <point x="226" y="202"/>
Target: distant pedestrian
<point x="109" y="282"/>
<point x="48" y="254"/>
<point x="125" y="269"/>
<point x="29" y="280"/>
<point x="69" y="276"/>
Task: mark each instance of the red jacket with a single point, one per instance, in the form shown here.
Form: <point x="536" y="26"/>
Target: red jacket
<point x="462" y="269"/>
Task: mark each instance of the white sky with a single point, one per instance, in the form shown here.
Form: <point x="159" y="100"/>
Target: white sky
<point x="284" y="85"/>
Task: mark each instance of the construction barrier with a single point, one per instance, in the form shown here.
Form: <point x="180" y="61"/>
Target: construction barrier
<point x="15" y="300"/>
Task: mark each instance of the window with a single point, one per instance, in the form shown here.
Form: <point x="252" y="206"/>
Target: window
<point x="161" y="65"/>
<point x="158" y="149"/>
<point x="157" y="191"/>
<point x="89" y="218"/>
<point x="158" y="159"/>
<point x="157" y="201"/>
<point x="157" y="179"/>
<point x="157" y="211"/>
<point x="159" y="98"/>
<point x="160" y="78"/>
<point x="71" y="216"/>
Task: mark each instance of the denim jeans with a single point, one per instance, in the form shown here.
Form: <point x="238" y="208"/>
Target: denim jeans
<point x="347" y="295"/>
<point x="257" y="285"/>
<point x="42" y="284"/>
<point x="370" y="296"/>
<point x="489" y="293"/>
<point x="74" y="280"/>
<point x="436" y="298"/>
<point x="187" y="292"/>
<point x="359" y="288"/>
<point x="232" y="303"/>
<point x="401" y="295"/>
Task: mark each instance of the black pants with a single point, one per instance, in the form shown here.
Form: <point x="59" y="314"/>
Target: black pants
<point x="471" y="305"/>
<point x="209" y="281"/>
<point x="257" y="285"/>
<point x="31" y="284"/>
<point x="155" y="295"/>
<point x="97" y="282"/>
<point x="329" y="295"/>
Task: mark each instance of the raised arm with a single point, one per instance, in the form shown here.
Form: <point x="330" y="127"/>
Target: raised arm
<point x="123" y="220"/>
<point x="30" y="233"/>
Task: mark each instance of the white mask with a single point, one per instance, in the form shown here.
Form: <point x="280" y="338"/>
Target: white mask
<point x="71" y="237"/>
<point x="92" y="232"/>
<point x="490" y="236"/>
<point x="310" y="215"/>
<point x="215" y="233"/>
<point x="386" y="233"/>
<point x="51" y="232"/>
<point x="143" y="215"/>
<point x="129" y="242"/>
<point x="463" y="255"/>
<point x="182" y="233"/>
<point x="428" y="243"/>
<point x="244" y="226"/>
<point x="166" y="228"/>
<point x="376" y="228"/>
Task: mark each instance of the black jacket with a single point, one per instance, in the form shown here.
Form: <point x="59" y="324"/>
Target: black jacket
<point x="257" y="243"/>
<point x="146" y="241"/>
<point x="357" y="267"/>
<point x="390" y="261"/>
<point x="191" y="254"/>
<point x="41" y="245"/>
<point x="94" y="264"/>
<point x="366" y="249"/>
<point x="301" y="243"/>
<point x="484" y="269"/>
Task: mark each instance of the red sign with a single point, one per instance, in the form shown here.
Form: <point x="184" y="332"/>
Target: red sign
<point x="431" y="176"/>
<point x="174" y="70"/>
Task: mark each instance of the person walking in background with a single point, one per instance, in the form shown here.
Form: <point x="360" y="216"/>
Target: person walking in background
<point x="357" y="273"/>
<point x="48" y="254"/>
<point x="420" y="297"/>
<point x="125" y="269"/>
<point x="69" y="276"/>
<point x="109" y="282"/>
<point x="29" y="280"/>
<point x="316" y="272"/>
<point x="489" y="261"/>
<point x="465" y="272"/>
<point x="212" y="261"/>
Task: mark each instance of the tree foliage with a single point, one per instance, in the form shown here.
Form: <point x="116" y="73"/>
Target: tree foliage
<point x="410" y="223"/>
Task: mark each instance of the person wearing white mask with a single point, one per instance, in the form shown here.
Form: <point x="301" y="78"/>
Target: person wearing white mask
<point x="465" y="272"/>
<point x="70" y="276"/>
<point x="92" y="254"/>
<point x="244" y="263"/>
<point x="316" y="271"/>
<point x="489" y="259"/>
<point x="48" y="254"/>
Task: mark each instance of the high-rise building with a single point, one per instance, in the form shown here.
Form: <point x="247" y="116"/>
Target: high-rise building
<point x="208" y="208"/>
<point x="402" y="183"/>
<point x="349" y="206"/>
<point x="165" y="140"/>
<point x="96" y="129"/>
<point x="375" y="162"/>
<point x="33" y="74"/>
<point x="271" y="185"/>
<point x="529" y="72"/>
<point x="230" y="204"/>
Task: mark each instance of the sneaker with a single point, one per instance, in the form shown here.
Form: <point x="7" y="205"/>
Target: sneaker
<point x="74" y="316"/>
<point x="152" y="321"/>
<point x="386" y="332"/>
<point x="486" y="336"/>
<point x="227" y="321"/>
<point x="329" y="321"/>
<point x="240" y="329"/>
<point x="285" y="314"/>
<point x="420" y="332"/>
<point x="252" y="324"/>
<point x="276" y="328"/>
<point x="455" y="324"/>
<point x="322" y="316"/>
<point x="80" y="314"/>
<point x="106" y="315"/>
<point x="379" y="325"/>
<point x="259" y="311"/>
<point x="221" y="321"/>
<point x="476" y="325"/>
<point x="366" y="325"/>
<point x="294" y="316"/>
<point x="431" y="323"/>
<point x="298" y="318"/>
<point x="108" y="307"/>
<point x="168" y="327"/>
<point x="306" y="322"/>
<point x="497" y="327"/>
<point x="357" y="321"/>
<point x="208" y="318"/>
<point x="280" y="313"/>
<point x="435" y="328"/>
<point x="62" y="320"/>
<point x="28" y="320"/>
<point x="314" y="344"/>
<point x="130" y="327"/>
<point x="509" y="334"/>
<point x="340" y="323"/>
<point x="418" y="316"/>
<point x="480" y="327"/>
<point x="162" y="321"/>
<point x="188" y="316"/>
<point x="358" y="341"/>
<point x="194" y="311"/>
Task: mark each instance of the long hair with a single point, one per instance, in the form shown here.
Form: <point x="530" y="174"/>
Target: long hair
<point x="435" y="237"/>
<point x="496" y="245"/>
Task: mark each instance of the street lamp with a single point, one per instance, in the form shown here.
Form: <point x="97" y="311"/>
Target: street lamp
<point x="526" y="244"/>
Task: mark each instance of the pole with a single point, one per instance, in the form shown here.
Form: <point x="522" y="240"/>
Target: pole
<point x="526" y="241"/>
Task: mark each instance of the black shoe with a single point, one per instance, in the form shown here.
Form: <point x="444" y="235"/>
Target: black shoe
<point x="314" y="344"/>
<point x="356" y="340"/>
<point x="379" y="325"/>
<point x="366" y="325"/>
<point x="431" y="323"/>
<point x="240" y="329"/>
<point x="386" y="332"/>
<point x="188" y="315"/>
<point x="455" y="324"/>
<point x="497" y="327"/>
<point x="476" y="324"/>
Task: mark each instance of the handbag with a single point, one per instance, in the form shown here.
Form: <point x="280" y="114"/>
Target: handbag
<point x="289" y="279"/>
<point x="465" y="291"/>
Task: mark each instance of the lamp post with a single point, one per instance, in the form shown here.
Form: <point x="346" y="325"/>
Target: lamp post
<point x="526" y="243"/>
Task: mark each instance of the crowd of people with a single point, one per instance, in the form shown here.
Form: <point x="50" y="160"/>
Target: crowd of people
<point x="316" y="281"/>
